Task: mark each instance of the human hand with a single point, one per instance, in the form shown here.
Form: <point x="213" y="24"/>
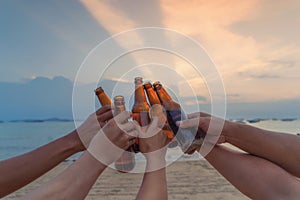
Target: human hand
<point x="91" y="126"/>
<point x="152" y="137"/>
<point x="214" y="127"/>
<point x="150" y="142"/>
<point x="153" y="141"/>
<point x="116" y="136"/>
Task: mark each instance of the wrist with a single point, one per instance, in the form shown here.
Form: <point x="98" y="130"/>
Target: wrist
<point x="235" y="132"/>
<point x="156" y="158"/>
<point x="230" y="129"/>
<point x="94" y="161"/>
<point x="74" y="142"/>
<point x="155" y="161"/>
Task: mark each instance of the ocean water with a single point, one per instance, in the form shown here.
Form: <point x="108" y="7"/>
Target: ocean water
<point x="18" y="137"/>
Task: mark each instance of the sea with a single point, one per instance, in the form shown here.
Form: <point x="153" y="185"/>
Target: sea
<point x="17" y="138"/>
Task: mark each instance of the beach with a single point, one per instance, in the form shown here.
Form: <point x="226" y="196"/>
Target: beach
<point x="186" y="180"/>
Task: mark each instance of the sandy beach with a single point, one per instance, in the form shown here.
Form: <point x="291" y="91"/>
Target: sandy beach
<point x="186" y="180"/>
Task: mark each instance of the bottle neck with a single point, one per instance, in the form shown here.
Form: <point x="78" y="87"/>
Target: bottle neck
<point x="119" y="104"/>
<point x="152" y="96"/>
<point x="102" y="97"/>
<point x="119" y="108"/>
<point x="139" y="94"/>
<point x="163" y="95"/>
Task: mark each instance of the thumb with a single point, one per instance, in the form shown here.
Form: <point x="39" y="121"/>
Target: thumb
<point x="152" y="129"/>
<point x="188" y="123"/>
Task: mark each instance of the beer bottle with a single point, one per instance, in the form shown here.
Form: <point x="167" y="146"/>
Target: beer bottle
<point x="185" y="137"/>
<point x="153" y="99"/>
<point x="127" y="160"/>
<point x="102" y="97"/>
<point x="140" y="109"/>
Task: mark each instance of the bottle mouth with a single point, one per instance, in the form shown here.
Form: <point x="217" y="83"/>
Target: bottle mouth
<point x="119" y="100"/>
<point x="157" y="84"/>
<point x="98" y="90"/>
<point x="147" y="85"/>
<point x="138" y="80"/>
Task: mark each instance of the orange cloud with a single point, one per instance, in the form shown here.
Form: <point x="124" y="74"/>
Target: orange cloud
<point x="245" y="63"/>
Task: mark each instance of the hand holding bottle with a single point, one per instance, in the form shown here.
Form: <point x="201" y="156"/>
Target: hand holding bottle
<point x="209" y="124"/>
<point x="91" y="126"/>
<point x="115" y="137"/>
<point x="153" y="141"/>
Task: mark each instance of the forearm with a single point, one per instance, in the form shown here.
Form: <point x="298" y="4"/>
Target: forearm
<point x="73" y="183"/>
<point x="21" y="170"/>
<point x="255" y="177"/>
<point x="282" y="149"/>
<point x="154" y="185"/>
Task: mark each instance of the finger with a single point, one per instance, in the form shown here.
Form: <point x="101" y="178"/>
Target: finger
<point x="193" y="115"/>
<point x="152" y="129"/>
<point x="105" y="116"/>
<point x="221" y="139"/>
<point x="132" y="134"/>
<point x="137" y="126"/>
<point x="122" y="117"/>
<point x="188" y="123"/>
<point x="129" y="126"/>
<point x="157" y="111"/>
<point x="103" y="109"/>
<point x="203" y="114"/>
<point x="212" y="139"/>
<point x="198" y="114"/>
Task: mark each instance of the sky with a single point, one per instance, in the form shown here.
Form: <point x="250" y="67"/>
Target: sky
<point x="255" y="45"/>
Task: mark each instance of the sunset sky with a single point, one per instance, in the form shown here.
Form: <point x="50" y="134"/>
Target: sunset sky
<point x="254" y="44"/>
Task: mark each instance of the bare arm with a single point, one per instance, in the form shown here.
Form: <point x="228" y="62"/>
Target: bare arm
<point x="76" y="181"/>
<point x="154" y="185"/>
<point x="255" y="177"/>
<point x="21" y="170"/>
<point x="153" y="144"/>
<point x="73" y="183"/>
<point x="280" y="148"/>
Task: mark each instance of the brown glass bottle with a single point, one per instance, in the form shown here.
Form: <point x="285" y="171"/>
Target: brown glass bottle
<point x="153" y="100"/>
<point x="127" y="160"/>
<point x="102" y="97"/>
<point x="186" y="137"/>
<point x="140" y="109"/>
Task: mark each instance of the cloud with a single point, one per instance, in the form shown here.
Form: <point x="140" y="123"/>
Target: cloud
<point x="249" y="64"/>
<point x="112" y="20"/>
<point x="282" y="63"/>
<point x="258" y="75"/>
<point x="263" y="76"/>
<point x="239" y="54"/>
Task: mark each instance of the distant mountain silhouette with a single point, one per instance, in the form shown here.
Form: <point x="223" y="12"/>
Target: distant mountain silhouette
<point x="43" y="98"/>
<point x="36" y="99"/>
